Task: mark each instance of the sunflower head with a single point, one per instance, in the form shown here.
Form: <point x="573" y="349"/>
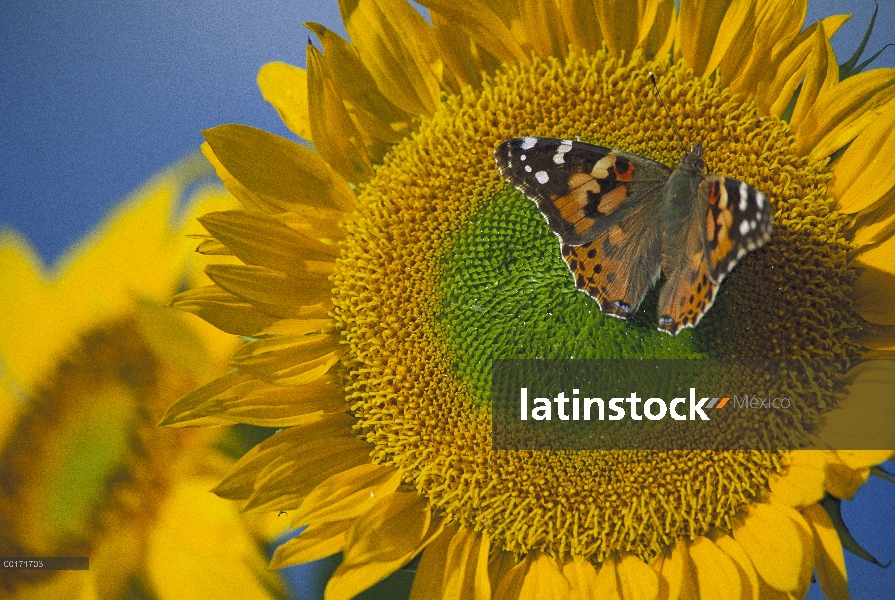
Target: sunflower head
<point x="386" y="270"/>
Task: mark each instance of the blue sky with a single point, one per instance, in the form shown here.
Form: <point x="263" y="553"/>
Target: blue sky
<point x="99" y="95"/>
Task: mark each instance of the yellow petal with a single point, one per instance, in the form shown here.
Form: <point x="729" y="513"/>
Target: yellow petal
<point x="285" y="481"/>
<point x="543" y="25"/>
<point x="843" y="481"/>
<point x="606" y="581"/>
<point x="821" y="75"/>
<point x="238" y="397"/>
<point x="227" y="312"/>
<point x="624" y="26"/>
<point x="239" y="484"/>
<point x="335" y="135"/>
<point x="581" y="24"/>
<point x="772" y="542"/>
<point x="283" y="173"/>
<point x="803" y="481"/>
<point x="317" y="541"/>
<point x="865" y="173"/>
<point x="380" y="122"/>
<point x="392" y="41"/>
<point x="289" y="359"/>
<point x="582" y="577"/>
<point x="172" y="557"/>
<point x="777" y="22"/>
<point x="482" y="25"/>
<point x="707" y="28"/>
<point x="454" y="566"/>
<point x="830" y="563"/>
<point x="661" y="36"/>
<point x="260" y="240"/>
<point x="382" y="541"/>
<point x="544" y="580"/>
<point x="286" y="88"/>
<point x="872" y="291"/>
<point x="748" y="576"/>
<point x="716" y="574"/>
<point x="676" y="579"/>
<point x="347" y="494"/>
<point x="843" y="111"/>
<point x="509" y="575"/>
<point x="432" y="570"/>
<point x="270" y="291"/>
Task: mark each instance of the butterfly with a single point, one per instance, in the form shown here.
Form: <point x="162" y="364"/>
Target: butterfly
<point x="622" y="220"/>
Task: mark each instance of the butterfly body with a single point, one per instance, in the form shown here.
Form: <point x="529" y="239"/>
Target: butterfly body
<point x="623" y="220"/>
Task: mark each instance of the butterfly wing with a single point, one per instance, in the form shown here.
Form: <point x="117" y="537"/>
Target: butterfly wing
<point x="731" y="219"/>
<point x="601" y="204"/>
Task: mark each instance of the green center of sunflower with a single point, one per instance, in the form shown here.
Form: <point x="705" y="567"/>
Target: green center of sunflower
<point x="449" y="269"/>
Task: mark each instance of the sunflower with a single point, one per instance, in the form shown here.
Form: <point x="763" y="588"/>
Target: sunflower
<point x="90" y="359"/>
<point x="385" y="269"/>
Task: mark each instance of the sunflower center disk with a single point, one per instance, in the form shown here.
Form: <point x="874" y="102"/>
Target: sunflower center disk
<point x="449" y="269"/>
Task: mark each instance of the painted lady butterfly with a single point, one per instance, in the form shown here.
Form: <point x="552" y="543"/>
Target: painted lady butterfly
<point x="623" y="219"/>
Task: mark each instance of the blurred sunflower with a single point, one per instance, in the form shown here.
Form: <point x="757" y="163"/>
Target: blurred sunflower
<point x="386" y="268"/>
<point x="90" y="359"/>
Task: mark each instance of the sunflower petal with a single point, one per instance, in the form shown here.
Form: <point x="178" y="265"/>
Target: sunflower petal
<point x="544" y="580"/>
<point x="260" y="240"/>
<point x="842" y="112"/>
<point x="271" y="291"/>
<point x="543" y="23"/>
<point x="581" y="575"/>
<point x="318" y="541"/>
<point x="391" y="38"/>
<point x="842" y="480"/>
<point x="772" y="542"/>
<point x="803" y="482"/>
<point x="716" y="573"/>
<point x="288" y="479"/>
<point x="382" y="541"/>
<point x="706" y="30"/>
<point x="748" y="576"/>
<point x="225" y="311"/>
<point x="286" y="88"/>
<point x="675" y="577"/>
<point x="347" y="494"/>
<point x="581" y="24"/>
<point x="864" y="174"/>
<point x="625" y="25"/>
<point x="455" y="565"/>
<point x="482" y="25"/>
<point x="289" y="359"/>
<point x="373" y="112"/>
<point x="239" y="397"/>
<point x="830" y="564"/>
<point x="821" y="75"/>
<point x="873" y="294"/>
<point x="335" y="135"/>
<point x="281" y="172"/>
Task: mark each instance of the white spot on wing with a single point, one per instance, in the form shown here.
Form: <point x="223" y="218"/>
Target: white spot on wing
<point x="527" y="169"/>
<point x="522" y="157"/>
<point x="542" y="176"/>
<point x="744" y="226"/>
<point x="559" y="158"/>
<point x="529" y="143"/>
<point x="744" y="195"/>
<point x="759" y="199"/>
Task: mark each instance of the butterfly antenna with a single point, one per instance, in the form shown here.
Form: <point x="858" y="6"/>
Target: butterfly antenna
<point x="677" y="131"/>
